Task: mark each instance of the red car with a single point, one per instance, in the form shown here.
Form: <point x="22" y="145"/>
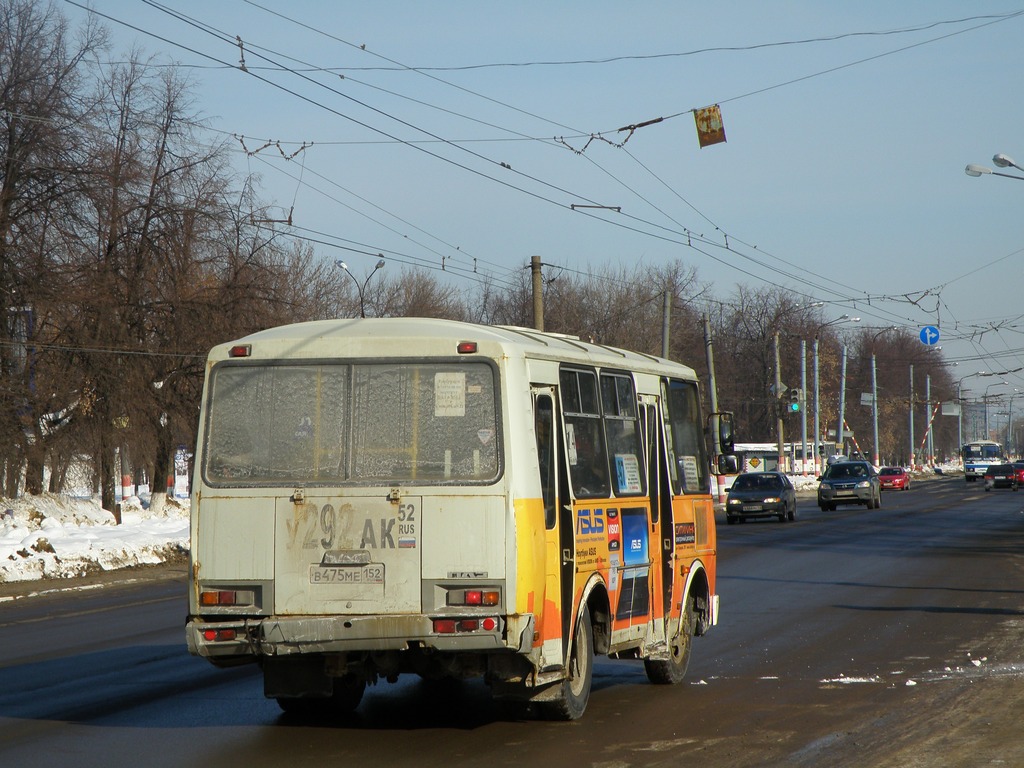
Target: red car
<point x="1018" y="468"/>
<point x="894" y="479"/>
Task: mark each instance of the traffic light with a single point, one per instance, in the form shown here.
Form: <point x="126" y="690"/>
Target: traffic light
<point x="794" y="399"/>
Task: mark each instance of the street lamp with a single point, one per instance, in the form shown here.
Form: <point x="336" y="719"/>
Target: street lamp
<point x="1001" y="161"/>
<point x="874" y="391"/>
<point x="360" y="288"/>
<point x="1005" y="161"/>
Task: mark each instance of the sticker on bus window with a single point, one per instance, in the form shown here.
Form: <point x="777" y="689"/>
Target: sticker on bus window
<point x="690" y="477"/>
<point x="449" y="393"/>
<point x="627" y="473"/>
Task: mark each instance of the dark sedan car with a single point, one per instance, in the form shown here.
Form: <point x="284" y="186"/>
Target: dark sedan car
<point x="761" y="494"/>
<point x="849" y="482"/>
<point x="1000" y="476"/>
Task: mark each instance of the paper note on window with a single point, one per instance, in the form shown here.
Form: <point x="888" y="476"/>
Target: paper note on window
<point x="449" y="393"/>
<point x="627" y="471"/>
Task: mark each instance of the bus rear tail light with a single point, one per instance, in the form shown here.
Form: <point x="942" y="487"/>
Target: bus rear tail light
<point x="223" y="597"/>
<point x="240" y="350"/>
<point x="454" y="626"/>
<point x="489" y="597"/>
<point x="219" y="635"/>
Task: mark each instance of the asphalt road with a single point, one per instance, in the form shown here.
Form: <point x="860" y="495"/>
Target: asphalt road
<point x="853" y="638"/>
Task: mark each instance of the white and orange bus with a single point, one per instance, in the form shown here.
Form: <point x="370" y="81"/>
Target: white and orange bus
<point x="375" y="497"/>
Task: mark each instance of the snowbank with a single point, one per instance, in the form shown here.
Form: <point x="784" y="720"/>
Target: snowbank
<point x="52" y="536"/>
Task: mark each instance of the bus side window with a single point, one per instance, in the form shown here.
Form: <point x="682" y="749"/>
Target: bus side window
<point x="544" y="420"/>
<point x="588" y="461"/>
<point x="584" y="436"/>
<point x="622" y="429"/>
<point x="690" y="470"/>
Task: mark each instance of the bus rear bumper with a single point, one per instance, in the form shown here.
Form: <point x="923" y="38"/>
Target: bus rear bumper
<point x="237" y="640"/>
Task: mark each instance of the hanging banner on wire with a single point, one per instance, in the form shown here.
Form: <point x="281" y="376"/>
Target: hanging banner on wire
<point x="710" y="129"/>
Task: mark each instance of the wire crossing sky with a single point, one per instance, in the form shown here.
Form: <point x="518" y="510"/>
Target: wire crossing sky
<point x="467" y="137"/>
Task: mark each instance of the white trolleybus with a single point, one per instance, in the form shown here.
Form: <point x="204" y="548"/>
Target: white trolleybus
<point x="386" y="496"/>
<point x="978" y="455"/>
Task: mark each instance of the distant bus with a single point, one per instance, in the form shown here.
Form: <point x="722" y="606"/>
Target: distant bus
<point x="978" y="455"/>
<point x="376" y="497"/>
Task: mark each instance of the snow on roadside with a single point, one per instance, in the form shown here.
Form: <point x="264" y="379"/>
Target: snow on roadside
<point x="51" y="536"/>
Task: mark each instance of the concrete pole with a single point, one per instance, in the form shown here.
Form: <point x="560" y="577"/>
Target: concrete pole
<point x="912" y="463"/>
<point x="778" y="405"/>
<point x="710" y="356"/>
<point x="666" y="311"/>
<point x="538" y="293"/>
<point x="817" y="411"/>
<point x="928" y="415"/>
<point x="959" y="421"/>
<point x="803" y="406"/>
<point x="840" y="436"/>
<point x="874" y="406"/>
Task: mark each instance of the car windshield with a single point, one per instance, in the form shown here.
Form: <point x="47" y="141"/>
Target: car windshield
<point x="891" y="471"/>
<point x="757" y="483"/>
<point x="846" y="470"/>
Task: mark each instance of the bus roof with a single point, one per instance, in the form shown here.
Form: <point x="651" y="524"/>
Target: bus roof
<point x="415" y="336"/>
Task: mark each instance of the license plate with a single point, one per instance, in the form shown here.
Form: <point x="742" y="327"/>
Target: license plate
<point x="373" y="573"/>
<point x="753" y="507"/>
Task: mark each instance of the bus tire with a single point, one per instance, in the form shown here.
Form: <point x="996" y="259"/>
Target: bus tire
<point x="574" y="691"/>
<point x="348" y="692"/>
<point x="672" y="670"/>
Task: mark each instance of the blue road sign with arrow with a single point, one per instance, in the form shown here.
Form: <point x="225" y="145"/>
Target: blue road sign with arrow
<point x="929" y="335"/>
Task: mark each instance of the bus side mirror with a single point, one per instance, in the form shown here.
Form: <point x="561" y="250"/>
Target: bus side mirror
<point x="727" y="464"/>
<point x="721" y="432"/>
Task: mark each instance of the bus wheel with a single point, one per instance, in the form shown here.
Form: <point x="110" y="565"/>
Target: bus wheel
<point x="672" y="670"/>
<point x="348" y="692"/>
<point x="574" y="690"/>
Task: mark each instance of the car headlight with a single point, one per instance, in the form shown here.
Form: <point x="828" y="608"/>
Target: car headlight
<point x="772" y="500"/>
<point x="734" y="501"/>
<point x="864" y="484"/>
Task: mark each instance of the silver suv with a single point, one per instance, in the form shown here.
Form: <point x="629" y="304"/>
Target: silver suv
<point x="849" y="482"/>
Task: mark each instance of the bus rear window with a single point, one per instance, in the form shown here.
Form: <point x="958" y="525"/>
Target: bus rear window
<point x="363" y="423"/>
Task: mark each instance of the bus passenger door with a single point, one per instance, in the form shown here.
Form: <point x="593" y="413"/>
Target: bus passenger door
<point x="662" y="528"/>
<point x="559" y="558"/>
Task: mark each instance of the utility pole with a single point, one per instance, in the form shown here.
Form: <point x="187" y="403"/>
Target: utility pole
<point x="928" y="414"/>
<point x="710" y="356"/>
<point x="841" y="438"/>
<point x="912" y="417"/>
<point x="817" y="412"/>
<point x="778" y="404"/>
<point x="666" y="310"/>
<point x="874" y="409"/>
<point x="538" y="293"/>
<point x="803" y="405"/>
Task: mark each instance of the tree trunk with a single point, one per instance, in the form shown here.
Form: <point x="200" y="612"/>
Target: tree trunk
<point x="35" y="458"/>
<point x="108" y="495"/>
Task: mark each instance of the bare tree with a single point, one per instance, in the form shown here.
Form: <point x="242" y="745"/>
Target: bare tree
<point x="39" y="176"/>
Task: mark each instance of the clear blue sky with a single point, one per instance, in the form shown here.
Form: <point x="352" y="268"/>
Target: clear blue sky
<point x="848" y="127"/>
